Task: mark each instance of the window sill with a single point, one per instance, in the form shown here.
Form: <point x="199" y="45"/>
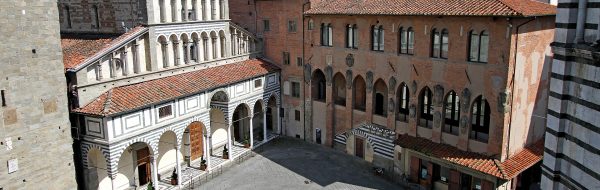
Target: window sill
<point x="477" y="63"/>
<point x="406" y="54"/>
<point x="449" y="133"/>
<point x="479" y="140"/>
<point x="439" y="59"/>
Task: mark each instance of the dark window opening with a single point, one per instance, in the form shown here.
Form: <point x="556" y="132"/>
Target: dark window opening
<point x="478" y="46"/>
<point x="297" y="115"/>
<point x="351" y="36"/>
<point x="379" y="107"/>
<point x="426" y="109"/>
<point x="480" y="120"/>
<point x="439" y="44"/>
<point x="165" y="111"/>
<point x="266" y="25"/>
<point x="3" y="98"/>
<point x="452" y="113"/>
<point x="402" y="97"/>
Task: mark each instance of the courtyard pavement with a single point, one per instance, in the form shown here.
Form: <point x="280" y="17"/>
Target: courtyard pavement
<point x="287" y="163"/>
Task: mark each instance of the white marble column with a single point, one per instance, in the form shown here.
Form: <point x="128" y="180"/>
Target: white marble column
<point x="209" y="151"/>
<point x="134" y="56"/>
<point x="112" y="183"/>
<point x="179" y="173"/>
<point x="229" y="141"/>
<point x="184" y="10"/>
<point x="279" y="119"/>
<point x="163" y="11"/>
<point x="154" y="170"/>
<point x="251" y="132"/>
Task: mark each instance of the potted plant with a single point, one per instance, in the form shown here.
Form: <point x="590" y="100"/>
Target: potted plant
<point x="225" y="153"/>
<point x="246" y="143"/>
<point x="150" y="186"/>
<point x="174" y="177"/>
<point x="203" y="165"/>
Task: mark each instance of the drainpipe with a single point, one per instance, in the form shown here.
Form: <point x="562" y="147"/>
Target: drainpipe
<point x="581" y="14"/>
<point x="512" y="94"/>
<point x="304" y="62"/>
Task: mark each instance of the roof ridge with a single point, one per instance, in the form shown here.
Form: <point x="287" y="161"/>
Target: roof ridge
<point x="500" y="168"/>
<point x="510" y="7"/>
<point x="107" y="102"/>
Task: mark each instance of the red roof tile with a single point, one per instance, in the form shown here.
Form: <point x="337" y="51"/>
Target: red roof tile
<point x="517" y="8"/>
<point x="135" y="96"/>
<point x="505" y="170"/>
<point x="77" y="48"/>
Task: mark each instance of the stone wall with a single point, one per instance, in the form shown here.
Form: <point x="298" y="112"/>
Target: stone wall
<point x="34" y="125"/>
<point x="113" y="15"/>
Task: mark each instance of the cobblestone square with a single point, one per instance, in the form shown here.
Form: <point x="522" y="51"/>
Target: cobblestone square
<point x="288" y="163"/>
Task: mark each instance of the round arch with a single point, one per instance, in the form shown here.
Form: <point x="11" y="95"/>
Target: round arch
<point x="258" y="120"/>
<point x="133" y="167"/>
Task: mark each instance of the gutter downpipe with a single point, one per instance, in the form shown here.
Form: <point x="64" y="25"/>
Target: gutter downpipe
<point x="512" y="94"/>
<point x="581" y="16"/>
<point x="304" y="63"/>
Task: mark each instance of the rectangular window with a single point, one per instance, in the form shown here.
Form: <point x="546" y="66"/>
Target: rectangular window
<point x="423" y="173"/>
<point x="286" y="88"/>
<point x="165" y="111"/>
<point x="266" y="25"/>
<point x="299" y="61"/>
<point x="296" y="89"/>
<point x="297" y="115"/>
<point x="257" y="83"/>
<point x="286" y="58"/>
<point x="292" y="26"/>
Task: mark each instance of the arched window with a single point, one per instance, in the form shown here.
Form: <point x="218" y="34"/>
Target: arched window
<point x="351" y="36"/>
<point x="377" y="39"/>
<point x="402" y="98"/>
<point x="452" y="113"/>
<point x="439" y="43"/>
<point x="96" y="17"/>
<point x="68" y="16"/>
<point x="311" y="24"/>
<point x="380" y="96"/>
<point x="407" y="41"/>
<point x="478" y="46"/>
<point x="480" y="120"/>
<point x="326" y="35"/>
<point x="339" y="89"/>
<point x="318" y="86"/>
<point x="359" y="93"/>
<point x="425" y="108"/>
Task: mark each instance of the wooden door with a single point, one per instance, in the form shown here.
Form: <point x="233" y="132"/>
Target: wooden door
<point x="196" y="140"/>
<point x="359" y="149"/>
<point x="143" y="162"/>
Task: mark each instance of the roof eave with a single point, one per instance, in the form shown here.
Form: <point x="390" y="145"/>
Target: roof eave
<point x="102" y="53"/>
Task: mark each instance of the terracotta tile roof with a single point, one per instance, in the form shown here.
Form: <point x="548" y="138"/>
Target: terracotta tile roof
<point x="505" y="170"/>
<point x="513" y="8"/>
<point x="136" y="96"/>
<point x="78" y="48"/>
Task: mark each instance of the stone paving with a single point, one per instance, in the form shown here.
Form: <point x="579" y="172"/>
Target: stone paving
<point x="288" y="163"/>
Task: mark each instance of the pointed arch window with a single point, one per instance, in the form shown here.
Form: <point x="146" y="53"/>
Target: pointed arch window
<point x="407" y="41"/>
<point x="426" y="109"/>
<point x="377" y="39"/>
<point x="452" y="113"/>
<point x="478" y="46"/>
<point x="402" y="98"/>
<point x="68" y="17"/>
<point x="96" y="17"/>
<point x="480" y="120"/>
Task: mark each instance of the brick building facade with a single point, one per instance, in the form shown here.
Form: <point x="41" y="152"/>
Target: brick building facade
<point x="373" y="85"/>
